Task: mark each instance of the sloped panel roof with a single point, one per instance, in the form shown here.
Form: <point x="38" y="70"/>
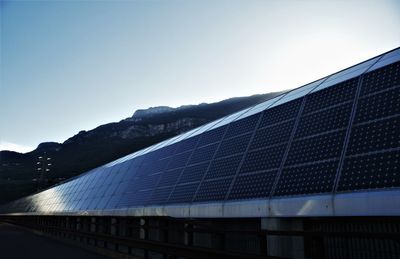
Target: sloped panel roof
<point x="313" y="151"/>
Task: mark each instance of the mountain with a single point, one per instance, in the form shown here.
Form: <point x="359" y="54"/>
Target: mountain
<point x="90" y="149"/>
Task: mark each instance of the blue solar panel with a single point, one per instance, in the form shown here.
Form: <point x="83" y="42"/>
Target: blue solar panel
<point x="113" y="202"/>
<point x="202" y="154"/>
<point x="179" y="160"/>
<point x="103" y="202"/>
<point x="242" y="126"/>
<point x="148" y="181"/>
<point x="224" y="166"/>
<point x="234" y="145"/>
<point x="166" y="151"/>
<point x="301" y="141"/>
<point x="160" y="195"/>
<point x="332" y="118"/>
<point x="183" y="193"/>
<point x="381" y="79"/>
<point x="213" y="190"/>
<point x="316" y="148"/>
<point x="272" y="135"/>
<point x="136" y="198"/>
<point x="280" y="113"/>
<point x="377" y="106"/>
<point x="187" y="144"/>
<point x="122" y="188"/>
<point x="212" y="136"/>
<point x="342" y="92"/>
<point x="377" y="170"/>
<point x="307" y="179"/>
<point x="375" y="136"/>
<point x="194" y="173"/>
<point x="170" y="177"/>
<point x="264" y="159"/>
<point x="256" y="185"/>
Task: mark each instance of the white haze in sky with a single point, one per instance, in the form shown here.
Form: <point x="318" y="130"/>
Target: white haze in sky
<point x="68" y="66"/>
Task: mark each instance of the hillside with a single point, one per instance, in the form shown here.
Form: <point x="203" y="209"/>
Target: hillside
<point x="90" y="149"/>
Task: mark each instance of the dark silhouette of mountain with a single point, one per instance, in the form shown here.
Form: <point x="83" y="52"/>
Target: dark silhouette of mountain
<point x="90" y="149"/>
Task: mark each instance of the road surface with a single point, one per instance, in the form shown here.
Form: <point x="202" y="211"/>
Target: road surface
<point x="16" y="243"/>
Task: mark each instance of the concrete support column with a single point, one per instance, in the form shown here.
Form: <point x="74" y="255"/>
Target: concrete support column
<point x="144" y="234"/>
<point x="284" y="246"/>
<point x="188" y="235"/>
<point x="93" y="224"/>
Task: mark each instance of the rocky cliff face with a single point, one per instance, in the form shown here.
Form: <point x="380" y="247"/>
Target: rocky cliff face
<point x="89" y="149"/>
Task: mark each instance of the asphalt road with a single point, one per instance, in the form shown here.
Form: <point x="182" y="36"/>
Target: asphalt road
<point x="16" y="243"/>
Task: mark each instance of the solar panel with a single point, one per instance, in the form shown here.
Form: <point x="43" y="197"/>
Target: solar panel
<point x="242" y="126"/>
<point x="381" y="79"/>
<point x="377" y="106"/>
<point x="170" y="177"/>
<point x="375" y="136"/>
<point x="183" y="193"/>
<point x="335" y="117"/>
<point x="272" y="135"/>
<point x="263" y="159"/>
<point x="280" y="113"/>
<point x="160" y="195"/>
<point x="203" y="154"/>
<point x="213" y="190"/>
<point x="344" y="127"/>
<point x="255" y="185"/>
<point x="307" y="179"/>
<point x="224" y="167"/>
<point x="371" y="171"/>
<point x="327" y="97"/>
<point x="179" y="160"/>
<point x="212" y="136"/>
<point x="187" y="144"/>
<point x="234" y="145"/>
<point x="316" y="148"/>
<point x="194" y="173"/>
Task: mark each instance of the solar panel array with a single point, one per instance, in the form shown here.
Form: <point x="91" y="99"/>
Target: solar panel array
<point x="338" y="134"/>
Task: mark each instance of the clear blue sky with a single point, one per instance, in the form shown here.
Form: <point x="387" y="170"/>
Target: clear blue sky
<point x="68" y="66"/>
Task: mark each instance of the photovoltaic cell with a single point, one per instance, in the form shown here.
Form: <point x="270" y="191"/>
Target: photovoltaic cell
<point x="379" y="170"/>
<point x="187" y="144"/>
<point x="280" y="113"/>
<point x="183" y="193"/>
<point x="234" y="145"/>
<point x="275" y="134"/>
<point x="160" y="195"/>
<point x="375" y="136"/>
<point x="320" y="147"/>
<point x="381" y="79"/>
<point x="179" y="160"/>
<point x="113" y="202"/>
<point x="256" y="185"/>
<point x="242" y="126"/>
<point x="224" y="167"/>
<point x="307" y="179"/>
<point x="203" y="154"/>
<point x="342" y="92"/>
<point x="378" y="106"/>
<point x="213" y="190"/>
<point x="194" y="173"/>
<point x="137" y="198"/>
<point x="264" y="159"/>
<point x="325" y="120"/>
<point x="148" y="181"/>
<point x="170" y="177"/>
<point x="212" y="136"/>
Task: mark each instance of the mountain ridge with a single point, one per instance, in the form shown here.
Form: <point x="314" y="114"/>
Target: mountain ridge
<point x="105" y="143"/>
